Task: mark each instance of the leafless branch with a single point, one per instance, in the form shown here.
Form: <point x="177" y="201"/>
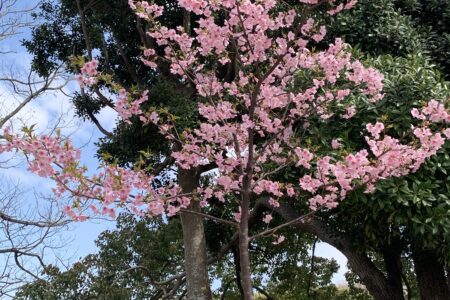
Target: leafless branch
<point x="227" y="222"/>
<point x="27" y="234"/>
<point x="13" y="17"/>
<point x="31" y="89"/>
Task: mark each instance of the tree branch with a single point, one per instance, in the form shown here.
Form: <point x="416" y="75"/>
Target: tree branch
<point x="231" y="223"/>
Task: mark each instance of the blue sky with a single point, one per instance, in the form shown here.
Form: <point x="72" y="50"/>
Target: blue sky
<point x="43" y="112"/>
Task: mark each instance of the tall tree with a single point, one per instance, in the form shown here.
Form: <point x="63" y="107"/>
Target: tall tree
<point x="391" y="16"/>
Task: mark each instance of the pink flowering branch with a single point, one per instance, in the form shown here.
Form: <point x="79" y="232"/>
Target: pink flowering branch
<point x="250" y="122"/>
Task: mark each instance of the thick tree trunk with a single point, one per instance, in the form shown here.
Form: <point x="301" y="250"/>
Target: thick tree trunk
<point x="196" y="259"/>
<point x="196" y="265"/>
<point x="430" y="276"/>
<point x="373" y="279"/>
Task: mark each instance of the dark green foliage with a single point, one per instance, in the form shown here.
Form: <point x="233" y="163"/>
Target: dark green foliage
<point x="399" y="28"/>
<point x="143" y="251"/>
<point x="377" y="27"/>
<point x="116" y="43"/>
<point x="432" y="19"/>
<point x="130" y="259"/>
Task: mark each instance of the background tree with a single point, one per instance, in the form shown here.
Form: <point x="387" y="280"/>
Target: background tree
<point x="27" y="228"/>
<point x="415" y="70"/>
<point x="140" y="253"/>
<point x="14" y="18"/>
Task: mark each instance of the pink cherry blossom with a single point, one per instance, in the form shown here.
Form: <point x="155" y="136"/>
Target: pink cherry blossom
<point x="336" y="144"/>
<point x="279" y="240"/>
<point x="267" y="218"/>
<point x="258" y="104"/>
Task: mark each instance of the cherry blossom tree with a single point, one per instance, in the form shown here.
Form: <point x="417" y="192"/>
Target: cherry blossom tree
<point x="253" y="124"/>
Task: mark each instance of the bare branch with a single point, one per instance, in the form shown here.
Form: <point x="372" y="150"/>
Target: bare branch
<point x="13" y="18"/>
<point x="29" y="89"/>
<point x="40" y="224"/>
<point x="234" y="224"/>
<point x="292" y="222"/>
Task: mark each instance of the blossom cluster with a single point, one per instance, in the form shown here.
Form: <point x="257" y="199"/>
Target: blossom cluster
<point x="127" y="107"/>
<point x="88" y="76"/>
<point x="251" y="122"/>
<point x="235" y="112"/>
<point x="56" y="158"/>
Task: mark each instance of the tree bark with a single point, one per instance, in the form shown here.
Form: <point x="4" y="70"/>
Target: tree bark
<point x="430" y="276"/>
<point x="392" y="255"/>
<point x="196" y="261"/>
<point x="448" y="277"/>
<point x="237" y="269"/>
<point x="373" y="279"/>
<point x="244" y="256"/>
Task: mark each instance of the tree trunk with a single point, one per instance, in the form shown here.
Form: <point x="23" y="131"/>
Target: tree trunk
<point x="392" y="255"/>
<point x="244" y="256"/>
<point x="430" y="276"/>
<point x="237" y="270"/>
<point x="373" y="279"/>
<point x="448" y="277"/>
<point x="197" y="280"/>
